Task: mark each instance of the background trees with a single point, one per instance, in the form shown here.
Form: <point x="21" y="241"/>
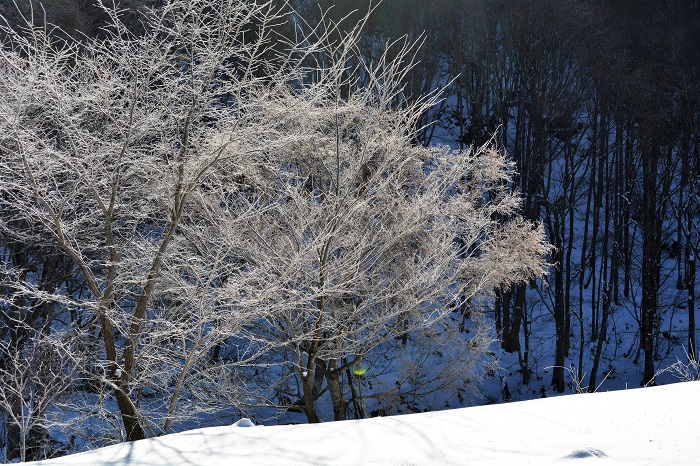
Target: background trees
<point x="597" y="104"/>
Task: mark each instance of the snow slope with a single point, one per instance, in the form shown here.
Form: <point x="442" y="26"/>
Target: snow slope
<point x="647" y="426"/>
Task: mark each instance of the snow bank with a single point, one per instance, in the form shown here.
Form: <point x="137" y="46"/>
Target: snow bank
<point x="651" y="426"/>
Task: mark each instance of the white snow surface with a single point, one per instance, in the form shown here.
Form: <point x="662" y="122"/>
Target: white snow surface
<point x="646" y="426"/>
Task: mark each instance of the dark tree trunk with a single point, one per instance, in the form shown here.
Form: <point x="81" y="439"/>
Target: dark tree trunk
<point x="690" y="280"/>
<point x="340" y="405"/>
<point x="592" y="384"/>
<point x="308" y="389"/>
<point x="651" y="258"/>
<point x="562" y="337"/>
<point x="132" y="425"/>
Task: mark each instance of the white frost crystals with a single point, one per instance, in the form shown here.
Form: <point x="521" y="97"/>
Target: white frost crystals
<point x="244" y="217"/>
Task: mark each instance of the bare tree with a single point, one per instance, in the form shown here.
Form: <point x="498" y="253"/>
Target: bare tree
<point x="213" y="182"/>
<point x="105" y="144"/>
<point x="360" y="235"/>
<point x="30" y="382"/>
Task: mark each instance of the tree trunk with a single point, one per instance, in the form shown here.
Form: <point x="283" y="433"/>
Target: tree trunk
<point x="690" y="280"/>
<point x="650" y="260"/>
<point x="132" y="426"/>
<point x="308" y="383"/>
<point x="340" y="405"/>
<point x="357" y="400"/>
<point x="559" y="309"/>
<point x="592" y="384"/>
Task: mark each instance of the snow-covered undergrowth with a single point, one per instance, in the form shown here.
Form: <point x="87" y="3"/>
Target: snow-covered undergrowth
<point x="656" y="425"/>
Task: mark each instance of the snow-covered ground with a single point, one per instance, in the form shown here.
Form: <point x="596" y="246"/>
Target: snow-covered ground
<point x="644" y="426"/>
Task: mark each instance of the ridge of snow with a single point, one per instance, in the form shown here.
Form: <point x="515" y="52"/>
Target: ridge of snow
<point x="647" y="426"/>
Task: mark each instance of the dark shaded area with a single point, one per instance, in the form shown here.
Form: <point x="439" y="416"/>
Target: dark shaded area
<point x="598" y="103"/>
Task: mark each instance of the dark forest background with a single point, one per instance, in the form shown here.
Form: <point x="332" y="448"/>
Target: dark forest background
<point x="597" y="104"/>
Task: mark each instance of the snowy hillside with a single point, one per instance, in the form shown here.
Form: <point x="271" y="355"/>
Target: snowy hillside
<point x="649" y="426"/>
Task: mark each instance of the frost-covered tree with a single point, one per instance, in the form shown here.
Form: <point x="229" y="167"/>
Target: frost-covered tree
<point x="220" y="188"/>
<point x="363" y="237"/>
<point x="30" y="381"/>
<point x="360" y="236"/>
<point x="107" y="146"/>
